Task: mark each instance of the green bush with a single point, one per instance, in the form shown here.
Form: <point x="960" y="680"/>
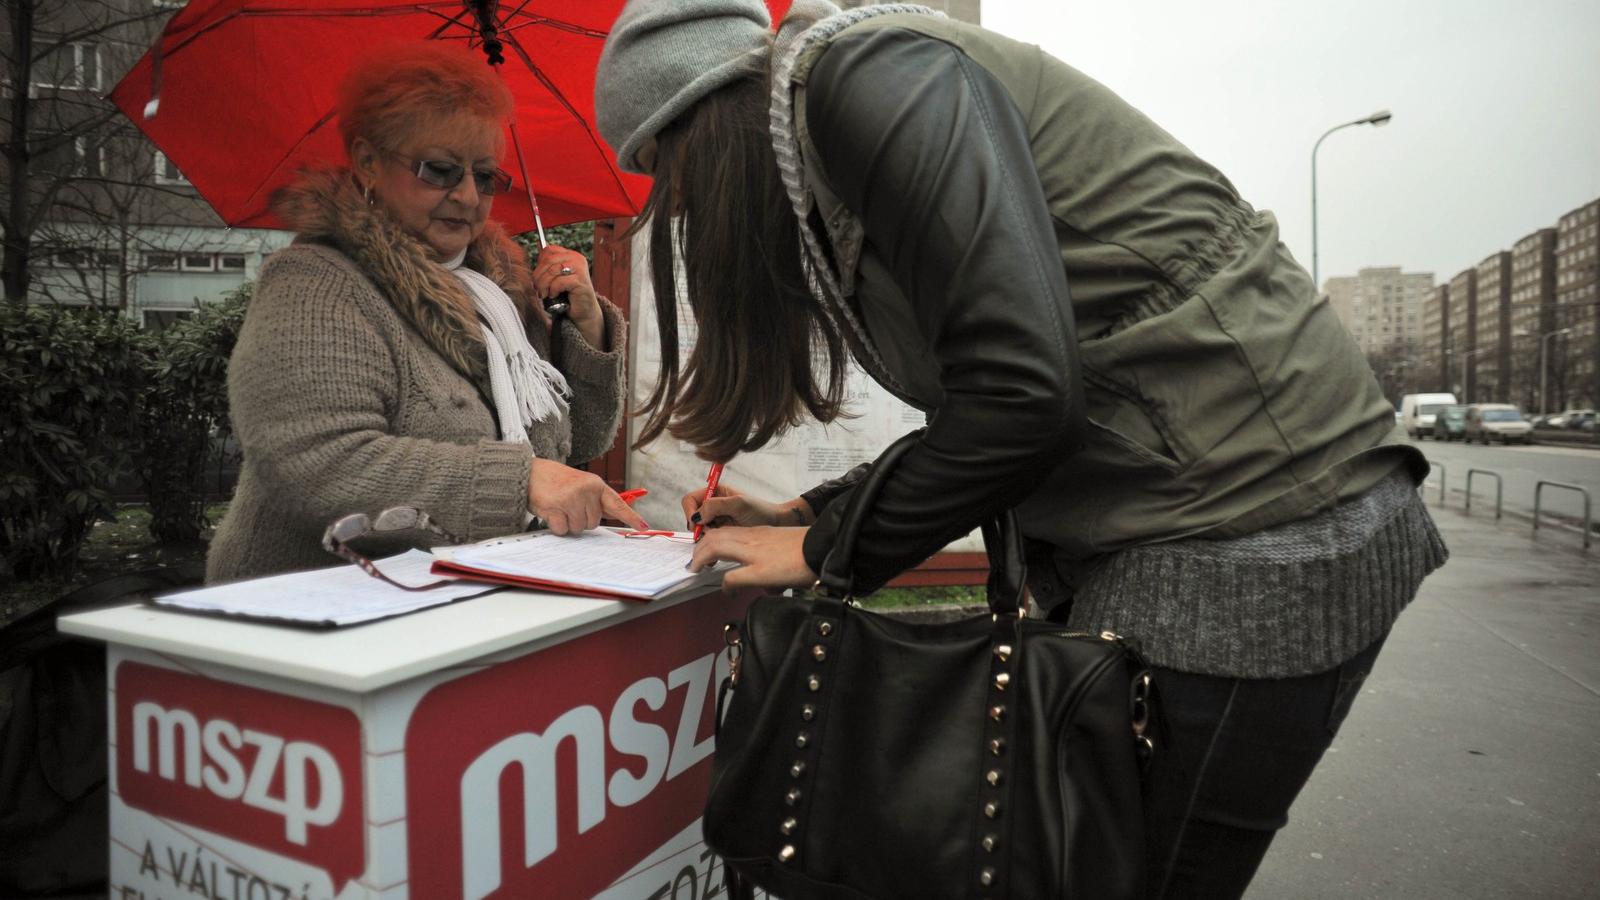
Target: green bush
<point x="69" y="385"/>
<point x="577" y="236"/>
<point x="183" y="415"/>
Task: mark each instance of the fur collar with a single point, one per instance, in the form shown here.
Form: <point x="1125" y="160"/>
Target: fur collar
<point x="326" y="206"/>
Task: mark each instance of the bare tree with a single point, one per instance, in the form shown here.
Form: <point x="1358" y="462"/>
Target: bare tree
<point x="100" y="238"/>
<point x="1398" y="367"/>
<point x="63" y="142"/>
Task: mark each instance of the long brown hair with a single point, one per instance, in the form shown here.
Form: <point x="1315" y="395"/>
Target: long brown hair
<point x="767" y="354"/>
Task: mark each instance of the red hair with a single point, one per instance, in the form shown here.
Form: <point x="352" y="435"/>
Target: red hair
<point x="401" y="90"/>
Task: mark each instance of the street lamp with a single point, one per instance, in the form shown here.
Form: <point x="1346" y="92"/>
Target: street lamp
<point x="1544" y="350"/>
<point x="1381" y="117"/>
<point x="1464" y="357"/>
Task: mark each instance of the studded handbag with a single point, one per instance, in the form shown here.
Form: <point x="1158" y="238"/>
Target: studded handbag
<point x="864" y="756"/>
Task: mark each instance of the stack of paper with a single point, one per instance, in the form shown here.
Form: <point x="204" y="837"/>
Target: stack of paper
<point x="598" y="563"/>
<point x="341" y="595"/>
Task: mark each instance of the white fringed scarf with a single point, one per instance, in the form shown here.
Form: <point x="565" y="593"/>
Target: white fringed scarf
<point x="526" y="387"/>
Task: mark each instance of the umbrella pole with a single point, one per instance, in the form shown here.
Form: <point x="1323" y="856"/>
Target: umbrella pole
<point x="522" y="169"/>
<point x="556" y="307"/>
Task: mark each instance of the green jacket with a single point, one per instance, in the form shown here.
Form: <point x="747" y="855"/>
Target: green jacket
<point x="1221" y="395"/>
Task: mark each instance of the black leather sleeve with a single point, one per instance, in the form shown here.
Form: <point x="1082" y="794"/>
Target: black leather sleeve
<point x="932" y="154"/>
<point x="825" y="493"/>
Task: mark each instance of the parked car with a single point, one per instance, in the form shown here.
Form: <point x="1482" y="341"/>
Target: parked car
<point x="1417" y="412"/>
<point x="1450" y="423"/>
<point x="1496" y="421"/>
<point x="1570" y="418"/>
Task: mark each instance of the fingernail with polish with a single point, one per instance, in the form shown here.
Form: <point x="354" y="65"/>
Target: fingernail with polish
<point x="694" y="519"/>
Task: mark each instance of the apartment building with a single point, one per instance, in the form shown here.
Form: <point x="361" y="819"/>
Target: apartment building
<point x="1492" y="366"/>
<point x="1533" y="316"/>
<point x="1434" y="340"/>
<point x="1575" y="354"/>
<point x="1461" y="347"/>
<point x="1381" y="306"/>
<point x="1522" y="326"/>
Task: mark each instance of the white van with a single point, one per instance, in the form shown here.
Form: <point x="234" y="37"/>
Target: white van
<point x="1417" y="412"/>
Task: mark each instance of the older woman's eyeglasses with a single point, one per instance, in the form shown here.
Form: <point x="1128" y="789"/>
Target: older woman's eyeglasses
<point x="444" y="174"/>
<point x="357" y="525"/>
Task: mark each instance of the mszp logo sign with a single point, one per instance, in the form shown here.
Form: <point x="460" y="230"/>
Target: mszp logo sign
<point x="273" y="771"/>
<point x="221" y="769"/>
<point x="556" y="773"/>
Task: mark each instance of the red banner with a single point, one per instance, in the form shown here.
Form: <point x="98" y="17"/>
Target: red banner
<point x="576" y="762"/>
<point x="273" y="771"/>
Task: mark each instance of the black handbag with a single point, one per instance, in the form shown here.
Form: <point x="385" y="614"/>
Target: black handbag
<point x="863" y="756"/>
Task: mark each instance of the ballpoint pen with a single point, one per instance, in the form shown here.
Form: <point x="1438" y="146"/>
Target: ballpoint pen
<point x="711" y="489"/>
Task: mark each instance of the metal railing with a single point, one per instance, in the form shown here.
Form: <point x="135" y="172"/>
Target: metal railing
<point x="1499" y="490"/>
<point x="1443" y="477"/>
<point x="1538" y="490"/>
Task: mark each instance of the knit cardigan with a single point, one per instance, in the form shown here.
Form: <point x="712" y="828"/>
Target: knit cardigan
<point x="353" y="389"/>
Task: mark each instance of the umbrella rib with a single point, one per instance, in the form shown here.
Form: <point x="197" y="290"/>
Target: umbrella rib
<point x="288" y="154"/>
<point x="611" y="169"/>
<point x="453" y="20"/>
<point x="553" y="24"/>
<point x="427" y="9"/>
<point x="515" y="12"/>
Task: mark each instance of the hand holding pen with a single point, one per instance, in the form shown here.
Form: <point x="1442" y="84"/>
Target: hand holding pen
<point x="713" y="480"/>
<point x="767" y="556"/>
<point x="724" y="505"/>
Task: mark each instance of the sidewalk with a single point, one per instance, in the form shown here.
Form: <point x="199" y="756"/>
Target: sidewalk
<point x="1470" y="767"/>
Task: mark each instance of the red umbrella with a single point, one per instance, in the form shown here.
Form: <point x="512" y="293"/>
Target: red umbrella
<point x="239" y="95"/>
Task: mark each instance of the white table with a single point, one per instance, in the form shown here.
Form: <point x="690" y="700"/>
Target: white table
<point x="520" y="745"/>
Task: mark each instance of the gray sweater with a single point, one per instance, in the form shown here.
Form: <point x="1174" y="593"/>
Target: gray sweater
<point x="345" y="398"/>
<point x="1291" y="600"/>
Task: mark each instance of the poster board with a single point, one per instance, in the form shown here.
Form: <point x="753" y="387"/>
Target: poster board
<point x="799" y="460"/>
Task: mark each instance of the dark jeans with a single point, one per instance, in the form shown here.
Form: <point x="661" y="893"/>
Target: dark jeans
<point x="1237" y="752"/>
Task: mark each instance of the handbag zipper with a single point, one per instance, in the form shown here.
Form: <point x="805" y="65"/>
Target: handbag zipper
<point x="733" y="639"/>
<point x="1102" y="636"/>
<point x="1141" y="695"/>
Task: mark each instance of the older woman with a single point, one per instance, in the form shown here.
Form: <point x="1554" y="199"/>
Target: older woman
<point x="397" y="354"/>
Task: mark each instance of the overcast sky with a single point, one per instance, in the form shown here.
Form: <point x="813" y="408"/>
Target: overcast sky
<point x="1496" y="103"/>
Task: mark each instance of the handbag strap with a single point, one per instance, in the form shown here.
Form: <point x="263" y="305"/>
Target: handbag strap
<point x="1002" y="540"/>
<point x="1008" y="572"/>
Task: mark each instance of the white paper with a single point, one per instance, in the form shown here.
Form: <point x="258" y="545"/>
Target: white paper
<point x="341" y="595"/>
<point x="602" y="559"/>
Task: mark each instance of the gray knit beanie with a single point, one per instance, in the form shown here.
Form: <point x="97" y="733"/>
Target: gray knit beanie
<point x="663" y="56"/>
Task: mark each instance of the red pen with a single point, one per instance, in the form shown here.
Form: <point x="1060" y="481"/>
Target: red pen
<point x="711" y="489"/>
<point x="633" y="494"/>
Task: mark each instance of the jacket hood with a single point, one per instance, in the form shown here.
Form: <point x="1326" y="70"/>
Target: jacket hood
<point x="326" y="206"/>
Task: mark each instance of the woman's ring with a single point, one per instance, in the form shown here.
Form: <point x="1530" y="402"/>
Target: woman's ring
<point x="566" y="270"/>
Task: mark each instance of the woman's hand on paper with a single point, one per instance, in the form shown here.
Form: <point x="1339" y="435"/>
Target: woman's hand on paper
<point x="770" y="557"/>
<point x="729" y="507"/>
<point x="571" y="500"/>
